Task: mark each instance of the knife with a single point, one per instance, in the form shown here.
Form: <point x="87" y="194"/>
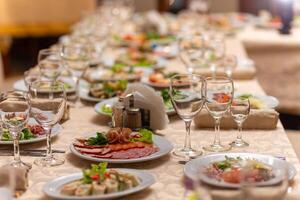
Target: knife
<point x="28" y="152"/>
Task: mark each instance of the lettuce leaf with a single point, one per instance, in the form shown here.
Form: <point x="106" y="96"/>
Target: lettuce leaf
<point x="146" y="136"/>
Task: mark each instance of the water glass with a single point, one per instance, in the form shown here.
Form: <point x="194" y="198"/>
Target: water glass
<point x="50" y="64"/>
<point x="76" y="58"/>
<point x="240" y="109"/>
<point x="14" y="111"/>
<point x="187" y="102"/>
<point x="219" y="94"/>
<point x="48" y="102"/>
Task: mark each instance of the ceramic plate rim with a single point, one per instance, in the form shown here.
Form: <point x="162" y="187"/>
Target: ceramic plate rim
<point x="190" y="173"/>
<point x="168" y="147"/>
<point x="52" y="191"/>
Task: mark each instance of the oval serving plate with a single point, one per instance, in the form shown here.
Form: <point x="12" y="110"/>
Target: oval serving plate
<point x="195" y="167"/>
<point x="164" y="145"/>
<point x="53" y="187"/>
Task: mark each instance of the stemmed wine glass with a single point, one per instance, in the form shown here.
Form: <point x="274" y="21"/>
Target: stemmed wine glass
<point x="213" y="51"/>
<point x="48" y="101"/>
<point x="76" y="58"/>
<point x="50" y="64"/>
<point x="191" y="51"/>
<point x="219" y="94"/>
<point x="240" y="109"/>
<point x="187" y="102"/>
<point x="14" y="111"/>
<point x="229" y="62"/>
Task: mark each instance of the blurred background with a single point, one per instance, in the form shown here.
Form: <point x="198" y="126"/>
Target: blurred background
<point x="26" y="26"/>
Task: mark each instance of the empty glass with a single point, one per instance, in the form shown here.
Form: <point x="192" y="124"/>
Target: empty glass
<point x="48" y="101"/>
<point x="49" y="63"/>
<point x="214" y="50"/>
<point x="14" y="111"/>
<point x="191" y="51"/>
<point x="187" y="102"/>
<point x="30" y="77"/>
<point x="76" y="58"/>
<point x="229" y="63"/>
<point x="219" y="94"/>
<point x="240" y="109"/>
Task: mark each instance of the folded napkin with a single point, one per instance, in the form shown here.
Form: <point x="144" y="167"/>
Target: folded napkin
<point x="145" y="97"/>
<point x="13" y="178"/>
<point x="257" y="119"/>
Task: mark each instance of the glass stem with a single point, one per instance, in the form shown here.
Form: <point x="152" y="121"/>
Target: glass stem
<point x="187" y="141"/>
<point x="49" y="148"/>
<point x="217" y="131"/>
<point x="239" y="134"/>
<point x="16" y="147"/>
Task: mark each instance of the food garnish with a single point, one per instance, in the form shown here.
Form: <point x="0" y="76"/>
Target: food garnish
<point x="29" y="132"/>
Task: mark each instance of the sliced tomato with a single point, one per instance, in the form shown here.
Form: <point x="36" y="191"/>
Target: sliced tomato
<point x="233" y="176"/>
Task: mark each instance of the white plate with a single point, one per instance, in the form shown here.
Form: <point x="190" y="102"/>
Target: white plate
<point x="269" y="101"/>
<point x="98" y="106"/>
<point x="163" y="144"/>
<point x="112" y="101"/>
<point x="53" y="187"/>
<point x="20" y="85"/>
<point x="55" y="131"/>
<point x="194" y="168"/>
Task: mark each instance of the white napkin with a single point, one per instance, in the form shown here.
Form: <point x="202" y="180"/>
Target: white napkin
<point x="5" y="194"/>
<point x="155" y="18"/>
<point x="146" y="98"/>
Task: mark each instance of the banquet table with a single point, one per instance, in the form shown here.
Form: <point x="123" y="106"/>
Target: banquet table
<point x="167" y="170"/>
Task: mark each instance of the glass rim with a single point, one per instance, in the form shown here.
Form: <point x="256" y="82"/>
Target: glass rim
<point x="178" y="75"/>
<point x="219" y="79"/>
<point x="58" y="84"/>
<point x="49" y="50"/>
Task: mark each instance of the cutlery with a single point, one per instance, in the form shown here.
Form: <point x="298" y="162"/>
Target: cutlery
<point x="28" y="152"/>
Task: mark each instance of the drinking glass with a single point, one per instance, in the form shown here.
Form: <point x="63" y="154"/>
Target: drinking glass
<point x="191" y="51"/>
<point x="214" y="50"/>
<point x="229" y="63"/>
<point x="48" y="101"/>
<point x="240" y="109"/>
<point x="187" y="102"/>
<point x="14" y="111"/>
<point x="219" y="94"/>
<point x="76" y="58"/>
<point x="254" y="191"/>
<point x="30" y="77"/>
<point x="50" y="64"/>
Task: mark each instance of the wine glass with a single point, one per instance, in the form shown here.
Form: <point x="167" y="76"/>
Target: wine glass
<point x="229" y="63"/>
<point x="76" y="57"/>
<point x="187" y="102"/>
<point x="214" y="50"/>
<point x="219" y="94"/>
<point x="253" y="190"/>
<point x="50" y="64"/>
<point x="240" y="109"/>
<point x="191" y="51"/>
<point x="48" y="101"/>
<point x="30" y="77"/>
<point x="14" y="111"/>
